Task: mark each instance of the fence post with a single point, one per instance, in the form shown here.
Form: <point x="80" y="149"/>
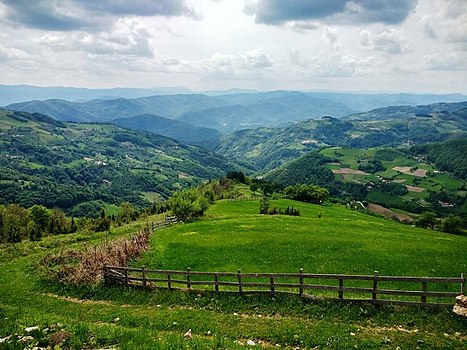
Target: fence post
<point x="300" y="290"/>
<point x="216" y="282"/>
<point x="463" y="283"/>
<point x="341" y="286"/>
<point x="143" y="272"/>
<point x="127" y="282"/>
<point x="169" y="284"/>
<point x="106" y="276"/>
<point x="424" y="291"/>
<point x="188" y="278"/>
<point x="271" y="284"/>
<point x="240" y="288"/>
<point x="375" y="287"/>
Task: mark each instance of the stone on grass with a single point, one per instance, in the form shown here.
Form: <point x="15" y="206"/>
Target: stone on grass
<point x="31" y="329"/>
<point x="188" y="335"/>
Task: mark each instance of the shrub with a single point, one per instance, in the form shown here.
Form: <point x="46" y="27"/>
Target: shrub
<point x="188" y="204"/>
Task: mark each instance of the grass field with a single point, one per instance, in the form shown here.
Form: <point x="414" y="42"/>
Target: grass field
<point x="235" y="236"/>
<point x="232" y="236"/>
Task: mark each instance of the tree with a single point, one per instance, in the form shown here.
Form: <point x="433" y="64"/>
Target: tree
<point x="58" y="223"/>
<point x="40" y="218"/>
<point x="452" y="224"/>
<point x="236" y="175"/>
<point x="73" y="227"/>
<point x="307" y="193"/>
<point x="125" y="212"/>
<point x="188" y="204"/>
<point x="102" y="223"/>
<point x="264" y="205"/>
<point x="426" y="220"/>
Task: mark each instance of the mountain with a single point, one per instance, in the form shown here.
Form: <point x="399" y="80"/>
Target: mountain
<point x="175" y="129"/>
<point x="70" y="165"/>
<point x="268" y="148"/>
<point x="444" y="111"/>
<point x="171" y="106"/>
<point x="20" y="93"/>
<point x="368" y="101"/>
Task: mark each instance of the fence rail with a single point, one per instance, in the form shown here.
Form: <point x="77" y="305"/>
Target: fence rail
<point x="294" y="283"/>
<point x="245" y="199"/>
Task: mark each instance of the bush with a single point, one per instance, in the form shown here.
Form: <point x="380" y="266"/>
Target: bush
<point x="452" y="224"/>
<point x="188" y="204"/>
<point x="426" y="220"/>
<point x="264" y="205"/>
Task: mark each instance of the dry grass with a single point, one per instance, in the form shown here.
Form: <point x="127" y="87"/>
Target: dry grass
<point x="87" y="267"/>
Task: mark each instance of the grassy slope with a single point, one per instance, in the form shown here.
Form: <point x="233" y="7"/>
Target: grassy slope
<point x="130" y="319"/>
<point x="235" y="236"/>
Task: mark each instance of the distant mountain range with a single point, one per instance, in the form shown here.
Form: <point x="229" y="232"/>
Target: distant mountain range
<point x="168" y="127"/>
<point x="194" y="116"/>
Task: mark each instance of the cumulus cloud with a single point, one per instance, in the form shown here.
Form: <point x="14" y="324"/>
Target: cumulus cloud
<point x="447" y="22"/>
<point x="248" y="60"/>
<point x="127" y="37"/>
<point x="67" y="15"/>
<point x="278" y="12"/>
<point x="333" y="64"/>
<point x="449" y="61"/>
<point x="387" y="40"/>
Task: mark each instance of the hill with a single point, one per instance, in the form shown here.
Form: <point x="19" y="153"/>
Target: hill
<point x="268" y="148"/>
<point x="77" y="166"/>
<point x="178" y="130"/>
<point x="395" y="178"/>
<point x="104" y="317"/>
<point x="20" y="93"/>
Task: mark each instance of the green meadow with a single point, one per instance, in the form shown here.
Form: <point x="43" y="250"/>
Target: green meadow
<point x="331" y="239"/>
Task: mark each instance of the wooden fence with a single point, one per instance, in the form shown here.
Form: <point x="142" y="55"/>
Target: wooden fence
<point x="245" y="199"/>
<point x="168" y="220"/>
<point x="300" y="283"/>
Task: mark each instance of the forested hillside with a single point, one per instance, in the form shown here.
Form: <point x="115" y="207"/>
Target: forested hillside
<point x="267" y="148"/>
<point x="80" y="167"/>
<point x="449" y="156"/>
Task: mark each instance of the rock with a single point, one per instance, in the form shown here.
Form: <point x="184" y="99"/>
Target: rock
<point x="31" y="329"/>
<point x="251" y="342"/>
<point x="461" y="300"/>
<point x="188" y="335"/>
<point x="3" y="340"/>
<point x="461" y="311"/>
<point x="26" y="339"/>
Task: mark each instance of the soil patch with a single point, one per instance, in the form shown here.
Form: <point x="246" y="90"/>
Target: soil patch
<point x="408" y="171"/>
<point x="414" y="188"/>
<point x="348" y="171"/>
<point x="378" y="209"/>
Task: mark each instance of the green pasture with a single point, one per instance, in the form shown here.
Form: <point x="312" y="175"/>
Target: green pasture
<point x="232" y="236"/>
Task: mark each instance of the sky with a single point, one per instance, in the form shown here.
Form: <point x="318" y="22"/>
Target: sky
<point x="338" y="45"/>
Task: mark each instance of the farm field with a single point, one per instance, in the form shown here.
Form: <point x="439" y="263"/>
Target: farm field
<point x="232" y="236"/>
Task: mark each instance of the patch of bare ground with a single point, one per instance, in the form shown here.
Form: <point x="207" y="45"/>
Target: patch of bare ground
<point x="378" y="209"/>
<point x="409" y="171"/>
<point x="414" y="189"/>
<point x="348" y="171"/>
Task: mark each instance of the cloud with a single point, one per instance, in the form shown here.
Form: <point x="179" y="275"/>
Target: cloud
<point x="387" y="40"/>
<point x="248" y="60"/>
<point x="333" y="64"/>
<point x="447" y="22"/>
<point x="278" y="12"/>
<point x="90" y="15"/>
<point x="139" y="7"/>
<point x="127" y="37"/>
<point x="450" y="61"/>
